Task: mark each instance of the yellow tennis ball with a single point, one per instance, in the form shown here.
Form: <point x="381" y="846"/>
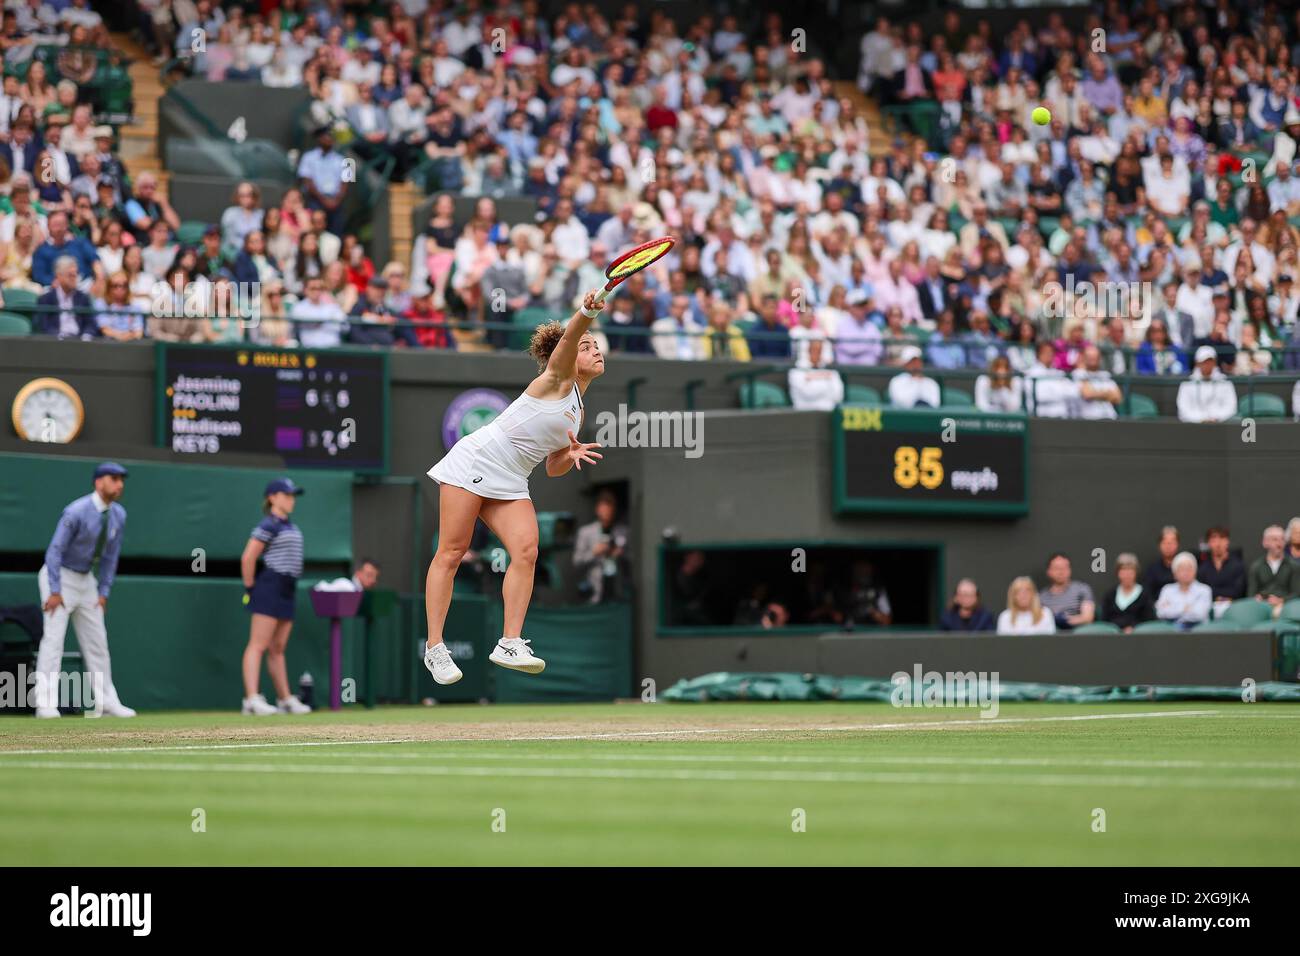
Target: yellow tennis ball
<point x="1041" y="115"/>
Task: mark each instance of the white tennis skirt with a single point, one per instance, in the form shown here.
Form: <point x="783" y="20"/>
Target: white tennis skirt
<point x="479" y="465"/>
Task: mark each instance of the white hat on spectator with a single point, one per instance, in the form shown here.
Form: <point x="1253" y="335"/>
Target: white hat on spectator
<point x="911" y="352"/>
<point x="1206" y="353"/>
<point x="856" y="297"/>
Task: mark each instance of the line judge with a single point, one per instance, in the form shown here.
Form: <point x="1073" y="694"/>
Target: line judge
<point x="75" y="582"/>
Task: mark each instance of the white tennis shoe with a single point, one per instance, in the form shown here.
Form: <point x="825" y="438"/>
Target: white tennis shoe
<point x="441" y="666"/>
<point x="515" y="654"/>
<point x="292" y="705"/>
<point x="258" y="707"/>
<point x="47" y="713"/>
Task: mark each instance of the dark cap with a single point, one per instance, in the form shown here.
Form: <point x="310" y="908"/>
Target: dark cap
<point x="212" y="230"/>
<point x="377" y="281"/>
<point x="285" y="485"/>
<point x="109" y="468"/>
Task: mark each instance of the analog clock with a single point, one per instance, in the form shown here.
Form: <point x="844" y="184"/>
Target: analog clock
<point x="48" y="410"/>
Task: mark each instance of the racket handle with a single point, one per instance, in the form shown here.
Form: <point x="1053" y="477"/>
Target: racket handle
<point x="601" y="295"/>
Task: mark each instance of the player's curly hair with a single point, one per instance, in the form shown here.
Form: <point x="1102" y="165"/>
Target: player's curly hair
<point x="545" y="339"/>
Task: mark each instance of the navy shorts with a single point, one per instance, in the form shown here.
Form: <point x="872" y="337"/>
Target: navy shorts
<point x="273" y="594"/>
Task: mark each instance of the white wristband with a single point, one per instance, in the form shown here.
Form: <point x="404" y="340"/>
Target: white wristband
<point x="591" y="314"/>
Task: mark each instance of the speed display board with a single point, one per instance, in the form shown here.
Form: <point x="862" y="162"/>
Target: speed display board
<point x="314" y="409"/>
<point x="927" y="461"/>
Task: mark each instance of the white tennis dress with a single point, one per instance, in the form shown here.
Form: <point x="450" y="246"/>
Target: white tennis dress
<point x="496" y="460"/>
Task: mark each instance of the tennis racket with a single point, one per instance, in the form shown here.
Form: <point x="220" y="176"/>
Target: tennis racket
<point x="632" y="262"/>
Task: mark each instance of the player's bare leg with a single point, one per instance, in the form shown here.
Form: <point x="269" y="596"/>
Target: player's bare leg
<point x="515" y="523"/>
<point x="457" y="511"/>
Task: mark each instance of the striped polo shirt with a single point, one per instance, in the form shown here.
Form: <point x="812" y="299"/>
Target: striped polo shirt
<point x="283" y="541"/>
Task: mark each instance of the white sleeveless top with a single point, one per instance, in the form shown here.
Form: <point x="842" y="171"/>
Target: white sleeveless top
<point x="496" y="460"/>
<point x="534" y="427"/>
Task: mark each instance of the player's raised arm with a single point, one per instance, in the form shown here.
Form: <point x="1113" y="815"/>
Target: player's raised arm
<point x="564" y="358"/>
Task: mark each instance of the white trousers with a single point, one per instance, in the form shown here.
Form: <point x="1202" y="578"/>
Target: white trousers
<point x="80" y="594"/>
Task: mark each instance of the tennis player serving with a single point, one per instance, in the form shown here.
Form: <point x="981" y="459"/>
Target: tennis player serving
<point x="485" y="475"/>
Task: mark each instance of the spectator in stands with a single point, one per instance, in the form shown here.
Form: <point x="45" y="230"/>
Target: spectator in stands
<point x="1098" y="392"/>
<point x="1160" y="572"/>
<point x="504" y="287"/>
<point x="1186" y="602"/>
<point x="599" y="553"/>
<point x="1207" y="396"/>
<point x="147" y="207"/>
<point x="998" y="390"/>
<point x="966" y="612"/>
<point x="273" y="326"/>
<point x="65" y="311"/>
<point x="857" y="336"/>
<point x="1070" y="602"/>
<point x="116" y="317"/>
<point x="240" y="218"/>
<point x="1222" y="570"/>
<point x="323" y="176"/>
<point x="769" y="339"/>
<point x="1049" y="392"/>
<point x="912" y="388"/>
<point x="429" y="323"/>
<point x="318" y="320"/>
<point x="724" y="339"/>
<point x="1157" y="355"/>
<point x="1272" y="577"/>
<point x="1025" y="613"/>
<point x="161" y="252"/>
<point x="372" y="322"/>
<point x="1129" y="602"/>
<point x="814" y="386"/>
<point x="62" y="243"/>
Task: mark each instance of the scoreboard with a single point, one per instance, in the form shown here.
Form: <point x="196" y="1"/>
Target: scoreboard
<point x="315" y="409"/>
<point x="929" y="461"/>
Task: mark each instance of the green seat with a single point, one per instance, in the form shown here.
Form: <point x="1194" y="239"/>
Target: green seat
<point x="762" y="395"/>
<point x="1278" y="627"/>
<point x="1141" y="406"/>
<point x="855" y="394"/>
<point x="19" y="300"/>
<point x="11" y="324"/>
<point x="1154" y="627"/>
<point x="745" y="325"/>
<point x="1261" y="405"/>
<point x="1047" y="225"/>
<point x="1222" y="624"/>
<point x="1291" y="610"/>
<point x="1098" y="627"/>
<point x="191" y="232"/>
<point x="957" y="398"/>
<point x="525" y="324"/>
<point x="1247" y="612"/>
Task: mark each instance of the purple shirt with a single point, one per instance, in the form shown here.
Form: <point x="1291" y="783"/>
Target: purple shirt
<point x="1104" y="94"/>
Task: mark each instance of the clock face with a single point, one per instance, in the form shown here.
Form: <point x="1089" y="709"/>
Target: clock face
<point x="48" y="410"/>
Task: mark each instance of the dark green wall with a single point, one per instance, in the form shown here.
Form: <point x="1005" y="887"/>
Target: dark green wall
<point x="764" y="477"/>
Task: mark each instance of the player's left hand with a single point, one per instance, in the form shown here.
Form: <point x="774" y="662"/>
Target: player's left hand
<point x="103" y="603"/>
<point x="580" y="451"/>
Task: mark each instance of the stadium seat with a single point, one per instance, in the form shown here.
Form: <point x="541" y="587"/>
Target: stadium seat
<point x="855" y="394"/>
<point x="1278" y="627"/>
<point x="763" y="395"/>
<point x="1153" y="627"/>
<point x="191" y="232"/>
<point x="957" y="398"/>
<point x="1141" y="406"/>
<point x="1222" y="624"/>
<point x="525" y="323"/>
<point x="1291" y="610"/>
<point x="12" y="324"/>
<point x="19" y="300"/>
<point x="1247" y="612"/>
<point x="1261" y="405"/>
<point x="1098" y="627"/>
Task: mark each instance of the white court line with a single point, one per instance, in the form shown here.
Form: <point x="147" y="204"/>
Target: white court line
<point x="844" y="759"/>
<point x="627" y="735"/>
<point x="729" y="776"/>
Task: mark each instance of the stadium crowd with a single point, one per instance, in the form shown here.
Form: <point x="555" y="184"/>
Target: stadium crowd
<point x="1150" y="228"/>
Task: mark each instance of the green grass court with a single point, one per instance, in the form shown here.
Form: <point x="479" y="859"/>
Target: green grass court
<point x="1189" y="783"/>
